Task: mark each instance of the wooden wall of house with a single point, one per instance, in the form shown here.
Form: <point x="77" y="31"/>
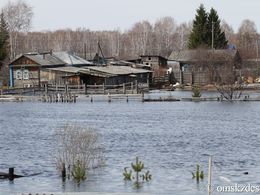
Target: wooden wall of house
<point x="22" y="82"/>
<point x="117" y="80"/>
<point x="58" y="77"/>
<point x="24" y="61"/>
<point x="155" y="62"/>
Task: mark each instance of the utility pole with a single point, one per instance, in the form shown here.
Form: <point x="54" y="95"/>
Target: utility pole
<point x="212" y="35"/>
<point x="256" y="60"/>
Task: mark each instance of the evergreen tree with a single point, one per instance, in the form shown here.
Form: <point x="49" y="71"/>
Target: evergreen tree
<point x="219" y="40"/>
<point x="3" y="37"/>
<point x="199" y="34"/>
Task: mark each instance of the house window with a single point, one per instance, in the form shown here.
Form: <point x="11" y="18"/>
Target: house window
<point x="25" y="74"/>
<point x="18" y="74"/>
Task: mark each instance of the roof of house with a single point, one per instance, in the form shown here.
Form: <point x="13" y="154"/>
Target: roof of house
<point x="195" y="55"/>
<point x="71" y="59"/>
<point x="67" y="69"/>
<point x="54" y="58"/>
<point x="158" y="56"/>
<point x="119" y="70"/>
<point x="90" y="56"/>
<point x="44" y="59"/>
<point x="102" y="71"/>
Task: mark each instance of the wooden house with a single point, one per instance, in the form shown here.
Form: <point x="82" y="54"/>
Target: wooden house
<point x="97" y="75"/>
<point x="204" y="67"/>
<point x="29" y="70"/>
<point x="114" y="75"/>
<point x="157" y="63"/>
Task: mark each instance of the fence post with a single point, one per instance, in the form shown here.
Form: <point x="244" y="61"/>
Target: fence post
<point x="132" y="87"/>
<point x="85" y="89"/>
<point x="209" y="175"/>
<point x="109" y="98"/>
<point x="66" y="88"/>
<point x="46" y="88"/>
<point x="142" y="97"/>
<point x="11" y="174"/>
<point x="136" y="86"/>
<point x="103" y="88"/>
<point x="63" y="171"/>
<point x="124" y="88"/>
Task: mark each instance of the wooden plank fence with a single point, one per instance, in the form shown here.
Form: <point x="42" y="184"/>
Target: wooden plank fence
<point x="125" y="88"/>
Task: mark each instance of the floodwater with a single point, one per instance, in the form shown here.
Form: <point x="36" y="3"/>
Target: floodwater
<point x="169" y="137"/>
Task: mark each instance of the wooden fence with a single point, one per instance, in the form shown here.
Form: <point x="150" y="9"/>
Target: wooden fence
<point x="125" y="88"/>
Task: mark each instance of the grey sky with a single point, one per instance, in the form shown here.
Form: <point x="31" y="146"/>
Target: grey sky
<point x="122" y="14"/>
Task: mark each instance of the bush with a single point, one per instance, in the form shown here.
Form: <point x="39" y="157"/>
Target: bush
<point x="196" y="92"/>
<point x="79" y="149"/>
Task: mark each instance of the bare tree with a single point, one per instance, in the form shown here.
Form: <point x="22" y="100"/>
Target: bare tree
<point x="164" y="28"/>
<point x="18" y="18"/>
<point x="228" y="30"/>
<point x="247" y="36"/>
<point x="181" y="36"/>
<point x="228" y="88"/>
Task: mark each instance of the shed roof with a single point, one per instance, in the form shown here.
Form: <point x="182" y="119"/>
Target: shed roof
<point x="193" y="55"/>
<point x="102" y="71"/>
<point x="68" y="69"/>
<point x="119" y="70"/>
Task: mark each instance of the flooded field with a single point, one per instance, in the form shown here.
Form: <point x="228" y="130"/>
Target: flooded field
<point x="169" y="137"/>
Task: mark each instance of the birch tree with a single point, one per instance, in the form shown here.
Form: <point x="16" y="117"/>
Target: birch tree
<point x="18" y="18"/>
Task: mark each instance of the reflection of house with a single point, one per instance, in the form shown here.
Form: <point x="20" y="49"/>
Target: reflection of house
<point x="204" y="66"/>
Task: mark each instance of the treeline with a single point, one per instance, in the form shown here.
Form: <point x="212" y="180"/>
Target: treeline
<point x="143" y="38"/>
<point x="160" y="38"/>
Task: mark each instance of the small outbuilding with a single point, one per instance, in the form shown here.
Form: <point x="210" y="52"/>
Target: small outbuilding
<point x="203" y="66"/>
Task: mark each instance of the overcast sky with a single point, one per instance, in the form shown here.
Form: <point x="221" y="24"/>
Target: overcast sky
<point x="122" y="14"/>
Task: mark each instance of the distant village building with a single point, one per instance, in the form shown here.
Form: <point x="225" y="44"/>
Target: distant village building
<point x="158" y="64"/>
<point x="37" y="69"/>
<point x="204" y="66"/>
<point x="251" y="68"/>
<point x="29" y="70"/>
